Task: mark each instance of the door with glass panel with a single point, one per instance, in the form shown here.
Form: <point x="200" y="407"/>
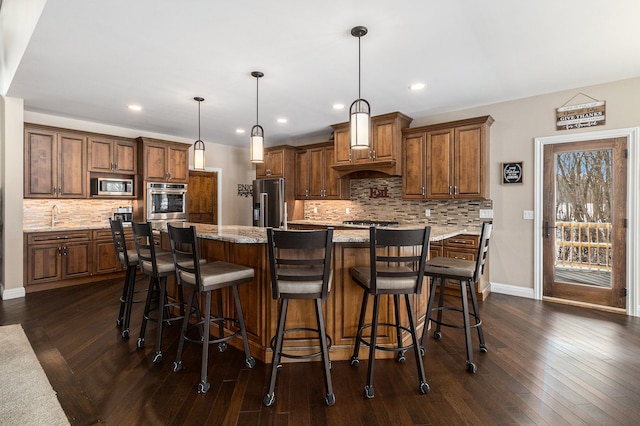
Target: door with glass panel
<point x="584" y="222"/>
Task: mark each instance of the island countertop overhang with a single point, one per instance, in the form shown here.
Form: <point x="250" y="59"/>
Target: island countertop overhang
<point x="240" y="234"/>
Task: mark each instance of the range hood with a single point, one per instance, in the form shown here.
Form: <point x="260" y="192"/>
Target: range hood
<point x="367" y="170"/>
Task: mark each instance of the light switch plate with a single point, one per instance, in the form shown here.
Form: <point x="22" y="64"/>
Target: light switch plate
<point x="527" y="215"/>
<point x="347" y="210"/>
<point x="486" y="213"/>
<point x="427" y="212"/>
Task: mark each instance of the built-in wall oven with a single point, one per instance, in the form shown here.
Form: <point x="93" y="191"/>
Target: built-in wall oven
<point x="166" y="202"/>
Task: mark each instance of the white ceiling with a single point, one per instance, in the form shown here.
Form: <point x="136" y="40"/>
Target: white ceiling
<point x="89" y="59"/>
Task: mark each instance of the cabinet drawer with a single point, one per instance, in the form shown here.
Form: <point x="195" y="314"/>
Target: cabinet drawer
<point x="463" y="241"/>
<point x="48" y="237"/>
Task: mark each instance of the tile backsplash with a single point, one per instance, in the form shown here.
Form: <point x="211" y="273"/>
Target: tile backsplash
<point x="389" y="205"/>
<point x="69" y="213"/>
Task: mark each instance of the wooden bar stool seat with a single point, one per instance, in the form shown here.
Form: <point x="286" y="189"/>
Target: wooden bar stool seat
<point x="203" y="279"/>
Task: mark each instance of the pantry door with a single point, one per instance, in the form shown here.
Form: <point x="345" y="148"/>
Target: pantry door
<point x="584" y="222"/>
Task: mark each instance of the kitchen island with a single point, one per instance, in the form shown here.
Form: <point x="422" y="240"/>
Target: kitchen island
<point x="246" y="245"/>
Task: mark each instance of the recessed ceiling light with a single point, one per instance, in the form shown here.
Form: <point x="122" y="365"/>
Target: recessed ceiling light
<point x="241" y="131"/>
<point x="135" y="107"/>
<point x="417" y="86"/>
<point x="282" y="120"/>
<point x="338" y="106"/>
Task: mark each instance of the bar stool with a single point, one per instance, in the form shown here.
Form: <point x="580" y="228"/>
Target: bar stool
<point x="203" y="280"/>
<point x="300" y="264"/>
<point x="397" y="258"/>
<point x="158" y="265"/>
<point x="130" y="262"/>
<point x="466" y="273"/>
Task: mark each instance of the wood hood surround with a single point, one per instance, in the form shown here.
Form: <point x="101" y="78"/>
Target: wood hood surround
<point x="382" y="158"/>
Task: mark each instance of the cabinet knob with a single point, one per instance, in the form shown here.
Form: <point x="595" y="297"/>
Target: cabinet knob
<point x="373" y="154"/>
<point x="423" y="191"/>
<point x="115" y="166"/>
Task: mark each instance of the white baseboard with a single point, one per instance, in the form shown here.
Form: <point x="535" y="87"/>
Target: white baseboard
<point x="12" y="293"/>
<point x="512" y="290"/>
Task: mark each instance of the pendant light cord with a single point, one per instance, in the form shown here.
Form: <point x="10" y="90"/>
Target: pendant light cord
<point x="359" y="61"/>
<point x="257" y="91"/>
<point x="199" y="102"/>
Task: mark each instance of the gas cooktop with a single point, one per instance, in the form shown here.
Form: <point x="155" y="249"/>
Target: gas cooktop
<point x="365" y="222"/>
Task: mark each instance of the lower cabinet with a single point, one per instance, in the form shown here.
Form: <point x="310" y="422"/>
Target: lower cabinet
<point x="64" y="258"/>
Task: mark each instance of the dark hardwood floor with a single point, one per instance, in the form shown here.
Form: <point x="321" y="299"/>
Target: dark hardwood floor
<point x="547" y="364"/>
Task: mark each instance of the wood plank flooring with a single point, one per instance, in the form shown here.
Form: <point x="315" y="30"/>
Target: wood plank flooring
<point x="547" y="364"/>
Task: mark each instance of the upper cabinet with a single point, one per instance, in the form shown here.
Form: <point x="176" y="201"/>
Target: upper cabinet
<point x="55" y="164"/>
<point x="108" y="155"/>
<point x="315" y="178"/>
<point x="447" y="160"/>
<point x="163" y="161"/>
<point x="278" y="162"/>
<point x="384" y="155"/>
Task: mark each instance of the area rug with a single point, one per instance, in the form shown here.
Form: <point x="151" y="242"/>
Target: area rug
<point x="26" y="396"/>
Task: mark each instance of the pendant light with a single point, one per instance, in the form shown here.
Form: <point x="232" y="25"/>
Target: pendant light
<point x="359" y="112"/>
<point x="198" y="146"/>
<point x="257" y="133"/>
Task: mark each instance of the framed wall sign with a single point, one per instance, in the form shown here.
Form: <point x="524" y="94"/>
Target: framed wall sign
<point x="512" y="173"/>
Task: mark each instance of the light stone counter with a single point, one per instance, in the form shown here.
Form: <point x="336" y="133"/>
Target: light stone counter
<point x="253" y="235"/>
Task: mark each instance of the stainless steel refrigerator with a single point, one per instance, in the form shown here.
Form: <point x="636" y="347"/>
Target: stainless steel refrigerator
<point x="268" y="202"/>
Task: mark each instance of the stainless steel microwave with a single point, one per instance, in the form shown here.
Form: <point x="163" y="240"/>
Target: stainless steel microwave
<point x="112" y="187"/>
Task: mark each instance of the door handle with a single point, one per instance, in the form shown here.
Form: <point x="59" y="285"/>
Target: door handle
<point x="546" y="229"/>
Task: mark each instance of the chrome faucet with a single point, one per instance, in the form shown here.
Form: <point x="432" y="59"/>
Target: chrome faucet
<point x="55" y="211"/>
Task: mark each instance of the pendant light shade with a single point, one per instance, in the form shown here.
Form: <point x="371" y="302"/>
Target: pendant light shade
<point x="198" y="146"/>
<point x="360" y="112"/>
<point x="257" y="132"/>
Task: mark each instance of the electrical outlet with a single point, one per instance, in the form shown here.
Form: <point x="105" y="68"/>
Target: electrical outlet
<point x="486" y="213"/>
<point x="527" y="215"/>
<point x="427" y="212"/>
<point x="347" y="210"/>
<point x="315" y="210"/>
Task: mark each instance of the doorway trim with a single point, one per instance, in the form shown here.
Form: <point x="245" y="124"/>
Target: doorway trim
<point x="632" y="135"/>
<point x="219" y="189"/>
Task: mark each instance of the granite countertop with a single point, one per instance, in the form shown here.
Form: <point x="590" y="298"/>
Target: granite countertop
<point x="67" y="228"/>
<point x="253" y="235"/>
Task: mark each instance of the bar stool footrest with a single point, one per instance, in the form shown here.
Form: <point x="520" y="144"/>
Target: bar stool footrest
<point x="385" y="348"/>
<point x="272" y="343"/>
<point x="222" y="339"/>
<point x="478" y="321"/>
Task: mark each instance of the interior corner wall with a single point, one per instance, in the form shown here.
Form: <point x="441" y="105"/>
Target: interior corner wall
<point x="11" y="169"/>
<point x="517" y="124"/>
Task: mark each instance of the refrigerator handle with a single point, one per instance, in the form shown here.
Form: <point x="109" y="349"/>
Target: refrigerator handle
<point x="263" y="209"/>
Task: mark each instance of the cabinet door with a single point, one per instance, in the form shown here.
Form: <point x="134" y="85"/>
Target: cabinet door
<point x="40" y="165"/>
<point x="316" y="173"/>
<point x="104" y="257"/>
<point x="341" y="144"/>
<point x="75" y="260"/>
<point x="155" y="160"/>
<point x="413" y="173"/>
<point x="332" y="183"/>
<point x="302" y="175"/>
<point x="382" y="139"/>
<point x="101" y="155"/>
<point x="178" y="163"/>
<point x="125" y="157"/>
<point x="468" y="162"/>
<point x="72" y="166"/>
<point x="44" y="263"/>
<point x="439" y="170"/>
<point x="274" y="162"/>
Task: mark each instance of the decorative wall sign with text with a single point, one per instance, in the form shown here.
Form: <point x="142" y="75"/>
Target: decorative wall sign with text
<point x="245" y="190"/>
<point x="512" y="173"/>
<point x="378" y="192"/>
<point x="581" y="115"/>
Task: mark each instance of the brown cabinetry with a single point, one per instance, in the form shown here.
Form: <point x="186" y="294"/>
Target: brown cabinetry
<point x="315" y="178"/>
<point x="278" y="163"/>
<point x="112" y="156"/>
<point x="55" y="256"/>
<point x="162" y="161"/>
<point x="385" y="152"/>
<point x="104" y="253"/>
<point x="55" y="164"/>
<point x="447" y="161"/>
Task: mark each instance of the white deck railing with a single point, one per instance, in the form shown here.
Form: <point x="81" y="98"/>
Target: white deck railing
<point x="583" y="245"/>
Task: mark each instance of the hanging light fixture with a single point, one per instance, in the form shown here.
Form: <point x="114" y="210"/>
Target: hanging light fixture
<point x="198" y="146"/>
<point x="360" y="112"/>
<point x="257" y="133"/>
